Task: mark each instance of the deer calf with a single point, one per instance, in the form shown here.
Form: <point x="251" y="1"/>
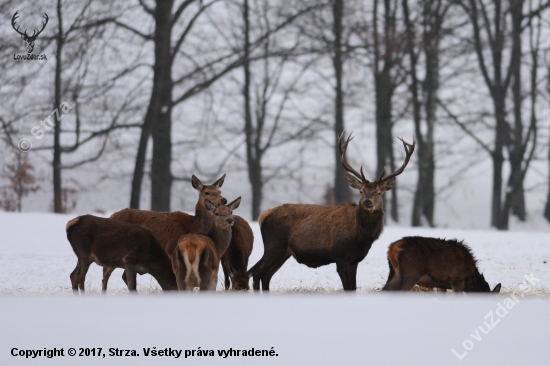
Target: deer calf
<point x="115" y="244"/>
<point x="196" y="258"/>
<point x="430" y="262"/>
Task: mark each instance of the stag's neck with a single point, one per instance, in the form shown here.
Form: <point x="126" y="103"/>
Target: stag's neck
<point x="203" y="221"/>
<point x="221" y="239"/>
<point x="369" y="224"/>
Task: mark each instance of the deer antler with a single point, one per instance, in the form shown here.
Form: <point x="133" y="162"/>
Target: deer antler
<point x="343" y="146"/>
<point x="45" y="16"/>
<point x="409" y="149"/>
<point x="35" y="33"/>
<point x="13" y="23"/>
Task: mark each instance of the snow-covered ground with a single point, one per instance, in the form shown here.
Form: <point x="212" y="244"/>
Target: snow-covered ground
<point x="36" y="258"/>
<point x="301" y="329"/>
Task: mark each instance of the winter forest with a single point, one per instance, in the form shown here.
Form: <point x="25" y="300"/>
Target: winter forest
<point x="132" y="98"/>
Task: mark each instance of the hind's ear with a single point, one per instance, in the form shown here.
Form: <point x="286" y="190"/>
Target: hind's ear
<point x="496" y="290"/>
<point x="219" y="182"/>
<point x="235" y="204"/>
<point x="196" y="183"/>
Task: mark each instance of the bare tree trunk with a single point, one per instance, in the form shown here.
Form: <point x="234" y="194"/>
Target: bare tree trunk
<point x="384" y="87"/>
<point x="341" y="188"/>
<point x="57" y="190"/>
<point x="253" y="150"/>
<point x="516" y="145"/>
<point x="139" y="168"/>
<point x="161" y="176"/>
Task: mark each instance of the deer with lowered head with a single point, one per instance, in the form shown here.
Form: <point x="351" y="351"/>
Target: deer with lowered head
<point x="196" y="258"/>
<point x="235" y="259"/>
<point x="431" y="262"/>
<point x="115" y="244"/>
<point x="168" y="227"/>
<point x="319" y="235"/>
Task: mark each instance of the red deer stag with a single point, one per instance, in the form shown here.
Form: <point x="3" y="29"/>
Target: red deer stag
<point x="196" y="258"/>
<point x="430" y="262"/>
<point x="114" y="244"/>
<point x="235" y="259"/>
<point x="168" y="227"/>
<point x="318" y="235"/>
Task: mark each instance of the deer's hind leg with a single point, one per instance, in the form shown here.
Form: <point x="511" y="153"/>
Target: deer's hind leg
<point x="106" y="275"/>
<point x="131" y="277"/>
<point x="75" y="274"/>
<point x="84" y="266"/>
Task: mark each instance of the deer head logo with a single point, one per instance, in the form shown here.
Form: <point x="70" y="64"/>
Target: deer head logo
<point x="29" y="40"/>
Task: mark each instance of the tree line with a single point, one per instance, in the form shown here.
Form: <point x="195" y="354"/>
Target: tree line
<point x="146" y="78"/>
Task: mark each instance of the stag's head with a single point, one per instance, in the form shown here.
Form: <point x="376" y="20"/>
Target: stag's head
<point x="29" y="40"/>
<point x="371" y="192"/>
<point x="223" y="215"/>
<point x="211" y="192"/>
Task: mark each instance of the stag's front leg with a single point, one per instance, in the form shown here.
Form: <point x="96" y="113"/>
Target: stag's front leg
<point x="457" y="285"/>
<point x="344" y="273"/>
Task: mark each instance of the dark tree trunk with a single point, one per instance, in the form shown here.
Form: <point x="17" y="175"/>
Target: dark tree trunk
<point x="161" y="176"/>
<point x="384" y="87"/>
<point x="57" y="190"/>
<point x="424" y="198"/>
<point x="547" y="206"/>
<point x="498" y="158"/>
<point x="253" y="150"/>
<point x="516" y="145"/>
<point x="137" y="179"/>
<point x="341" y="188"/>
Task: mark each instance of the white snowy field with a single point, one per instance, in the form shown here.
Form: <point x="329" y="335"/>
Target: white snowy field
<point x="301" y="329"/>
<point x="36" y="258"/>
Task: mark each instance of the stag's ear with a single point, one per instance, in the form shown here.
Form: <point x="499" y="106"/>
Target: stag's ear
<point x="354" y="182"/>
<point x="387" y="184"/>
<point x="496" y="290"/>
<point x="209" y="205"/>
<point x="235" y="204"/>
<point x="218" y="184"/>
<point x="196" y="183"/>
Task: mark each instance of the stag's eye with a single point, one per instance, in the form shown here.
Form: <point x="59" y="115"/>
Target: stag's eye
<point x="206" y="193"/>
<point x="217" y="214"/>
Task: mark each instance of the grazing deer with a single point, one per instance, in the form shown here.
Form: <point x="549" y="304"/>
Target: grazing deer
<point x="116" y="244"/>
<point x="196" y="258"/>
<point x="430" y="262"/>
<point x="168" y="227"/>
<point x="235" y="259"/>
<point x="318" y="235"/>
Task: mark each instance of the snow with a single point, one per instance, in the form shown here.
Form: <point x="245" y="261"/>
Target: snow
<point x="36" y="257"/>
<point x="303" y="329"/>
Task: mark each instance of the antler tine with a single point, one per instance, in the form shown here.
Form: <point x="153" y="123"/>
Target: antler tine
<point x="409" y="149"/>
<point x="383" y="173"/>
<point x="343" y="146"/>
<point x="45" y="16"/>
<point x="13" y="22"/>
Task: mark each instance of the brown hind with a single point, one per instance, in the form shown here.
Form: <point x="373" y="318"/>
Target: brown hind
<point x="431" y="262"/>
<point x="114" y="244"/>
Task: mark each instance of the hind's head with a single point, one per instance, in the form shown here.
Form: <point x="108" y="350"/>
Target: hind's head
<point x="223" y="215"/>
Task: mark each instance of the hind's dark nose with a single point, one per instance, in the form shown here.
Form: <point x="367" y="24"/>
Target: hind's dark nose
<point x="224" y="201"/>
